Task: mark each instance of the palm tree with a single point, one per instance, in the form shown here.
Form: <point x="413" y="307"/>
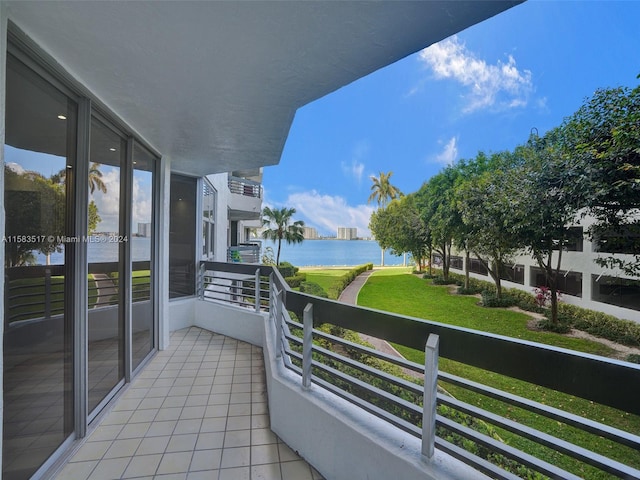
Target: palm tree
<point x="383" y="192"/>
<point x="278" y="227"/>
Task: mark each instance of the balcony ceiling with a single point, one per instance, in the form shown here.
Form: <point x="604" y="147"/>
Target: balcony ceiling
<point x="214" y="86"/>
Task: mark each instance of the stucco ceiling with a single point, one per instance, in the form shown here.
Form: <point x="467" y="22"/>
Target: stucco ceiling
<point x="215" y="85"/>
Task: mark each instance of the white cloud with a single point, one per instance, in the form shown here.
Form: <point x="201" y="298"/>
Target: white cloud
<point x="449" y="153"/>
<point x="108" y="203"/>
<point x="327" y="212"/>
<point x="501" y="85"/>
<point x="15" y="167"/>
<point x="355" y="168"/>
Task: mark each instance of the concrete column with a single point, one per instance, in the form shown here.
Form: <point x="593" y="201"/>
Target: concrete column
<point x="162" y="235"/>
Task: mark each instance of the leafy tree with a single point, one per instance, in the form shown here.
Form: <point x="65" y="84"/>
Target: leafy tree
<point x="544" y="203"/>
<point x="35" y="208"/>
<point x="400" y="227"/>
<point x="603" y="136"/>
<point x="437" y="205"/>
<point x="486" y="214"/>
<point x="94" y="218"/>
<point x="279" y="227"/>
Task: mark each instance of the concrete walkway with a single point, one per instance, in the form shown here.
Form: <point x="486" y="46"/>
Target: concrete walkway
<point x="350" y="296"/>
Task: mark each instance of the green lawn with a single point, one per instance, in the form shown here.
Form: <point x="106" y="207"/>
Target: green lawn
<point x="324" y="277"/>
<point x="407" y="294"/>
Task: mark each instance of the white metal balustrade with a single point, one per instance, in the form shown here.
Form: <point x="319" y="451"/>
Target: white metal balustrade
<point x="416" y="407"/>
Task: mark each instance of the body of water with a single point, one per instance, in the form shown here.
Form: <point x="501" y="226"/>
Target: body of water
<point x="105" y="251"/>
<point x="332" y="253"/>
<point x="305" y="254"/>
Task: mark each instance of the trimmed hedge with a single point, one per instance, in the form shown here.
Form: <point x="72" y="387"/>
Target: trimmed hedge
<point x="296" y="280"/>
<point x="313" y="288"/>
<point x="602" y="325"/>
<point x="287" y="270"/>
<point x="341" y="283"/>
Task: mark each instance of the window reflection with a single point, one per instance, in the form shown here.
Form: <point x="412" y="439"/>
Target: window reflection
<point x="106" y="326"/>
<point x="38" y="384"/>
<point x="141" y="254"/>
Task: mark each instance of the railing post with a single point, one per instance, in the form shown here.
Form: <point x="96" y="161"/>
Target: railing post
<point x="47" y="293"/>
<point x="429" y="400"/>
<point x="307" y="344"/>
<point x="278" y="324"/>
<point x="257" y="289"/>
<point x="201" y="281"/>
<point x="272" y="299"/>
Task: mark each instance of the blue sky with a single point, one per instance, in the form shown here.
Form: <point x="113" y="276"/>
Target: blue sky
<point x="483" y="89"/>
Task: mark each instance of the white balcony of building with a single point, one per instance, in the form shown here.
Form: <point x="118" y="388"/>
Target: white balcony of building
<point x="245" y="198"/>
<point x="250" y="390"/>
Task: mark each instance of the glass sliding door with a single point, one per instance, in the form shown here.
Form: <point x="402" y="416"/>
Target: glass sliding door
<point x="182" y="236"/>
<point x="38" y="330"/>
<point x="142" y="249"/>
<point x="105" y="316"/>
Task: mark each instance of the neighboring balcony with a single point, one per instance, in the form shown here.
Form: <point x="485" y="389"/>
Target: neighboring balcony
<point x="244" y="253"/>
<point x="245" y="199"/>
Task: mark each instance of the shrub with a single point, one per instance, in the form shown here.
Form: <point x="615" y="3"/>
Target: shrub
<point x="563" y="324"/>
<point x="491" y="300"/>
<point x="602" y="325"/>
<point x="296" y="280"/>
<point x="469" y="291"/>
<point x="442" y="281"/>
<point x="633" y="358"/>
<point x="287" y="270"/>
<point x="313" y="288"/>
<point x="428" y="276"/>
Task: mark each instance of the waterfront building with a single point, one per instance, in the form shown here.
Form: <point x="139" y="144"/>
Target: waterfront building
<point x="310" y="233"/>
<point x="144" y="229"/>
<point x="347" y="233"/>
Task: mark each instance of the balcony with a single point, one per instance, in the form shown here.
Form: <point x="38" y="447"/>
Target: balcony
<point x="346" y="418"/>
<point x="245" y="199"/>
<point x="244" y="253"/>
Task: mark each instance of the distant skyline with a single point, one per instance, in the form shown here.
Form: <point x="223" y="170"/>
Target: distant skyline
<point x="483" y="89"/>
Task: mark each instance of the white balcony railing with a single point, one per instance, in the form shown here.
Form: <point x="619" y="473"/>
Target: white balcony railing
<point x="443" y="424"/>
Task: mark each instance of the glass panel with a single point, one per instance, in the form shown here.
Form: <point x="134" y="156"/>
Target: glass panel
<point x="141" y="251"/>
<point x="106" y="329"/>
<point x="182" y="236"/>
<point x="208" y="221"/>
<point x="38" y="383"/>
<point x="623" y="292"/>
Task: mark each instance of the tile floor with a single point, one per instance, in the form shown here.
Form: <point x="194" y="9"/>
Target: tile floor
<point x="198" y="411"/>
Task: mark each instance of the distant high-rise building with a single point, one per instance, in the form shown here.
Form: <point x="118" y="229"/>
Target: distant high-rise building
<point x="310" y="233"/>
<point x="144" y="229"/>
<point x="347" y="233"/>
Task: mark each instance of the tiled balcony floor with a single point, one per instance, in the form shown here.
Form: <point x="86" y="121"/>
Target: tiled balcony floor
<point x="198" y="411"/>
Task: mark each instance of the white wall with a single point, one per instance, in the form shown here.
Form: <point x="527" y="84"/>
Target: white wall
<point x="219" y="182"/>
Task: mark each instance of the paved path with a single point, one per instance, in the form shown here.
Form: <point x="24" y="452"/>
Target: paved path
<point x="350" y="296"/>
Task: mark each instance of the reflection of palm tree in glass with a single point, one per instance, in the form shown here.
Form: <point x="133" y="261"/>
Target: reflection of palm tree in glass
<point x="95" y="178"/>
